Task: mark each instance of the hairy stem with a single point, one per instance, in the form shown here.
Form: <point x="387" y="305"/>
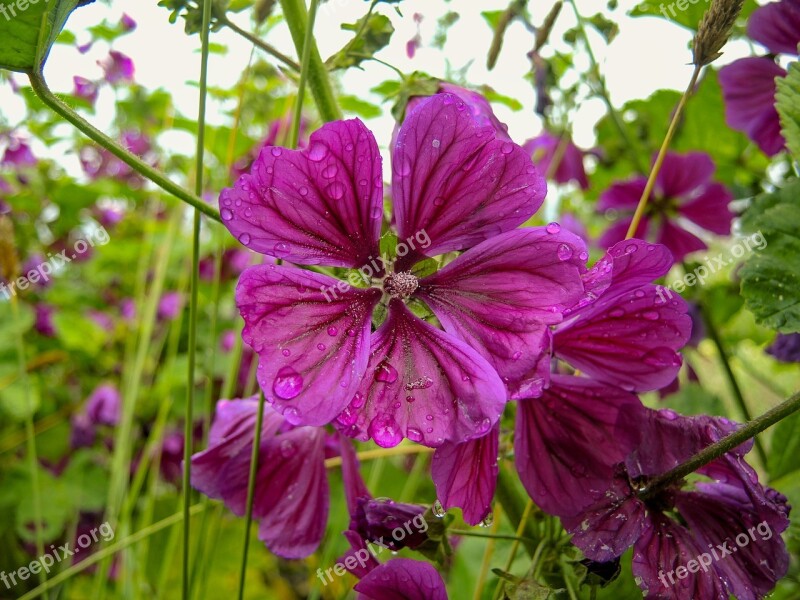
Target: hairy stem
<point x="301" y="87"/>
<point x="253" y="39"/>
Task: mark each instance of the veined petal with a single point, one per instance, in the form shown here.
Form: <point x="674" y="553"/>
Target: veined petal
<point x="622" y="196"/>
<point x="777" y="26"/>
<point x="681" y="174"/>
<point x="501" y="295"/>
<point x="319" y="206"/>
<point x="678" y="240"/>
<point x="423" y="384"/>
<point x="465" y="475"/>
<point x="402" y="579"/>
<point x="311" y="338"/>
<point x="557" y="437"/>
<point x="711" y="209"/>
<point x="454" y="180"/>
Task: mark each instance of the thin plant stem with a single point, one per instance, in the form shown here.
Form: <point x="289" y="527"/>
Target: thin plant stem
<point x="318" y="80"/>
<point x="41" y="89"/>
<point x="306" y="66"/>
<point x="514" y="506"/>
<point x="732" y="380"/>
<point x="717" y="449"/>
<point x="251" y="492"/>
<point x="258" y="43"/>
<point x="515" y="546"/>
<point x="480" y="534"/>
<point x="651" y="180"/>
<point x="188" y="425"/>
<point x="402" y="450"/>
<point x="107" y="552"/>
<point x="488" y="552"/>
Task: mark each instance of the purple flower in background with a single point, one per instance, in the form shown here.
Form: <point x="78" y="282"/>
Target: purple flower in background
<point x="127" y="309"/>
<point x="103" y="320"/>
<point x="107" y="216"/>
<point x="234" y="261"/>
<point x="278" y="133"/>
<point x="786" y="347"/>
<point x="291" y="495"/>
<point x="18" y="153"/>
<point x="44" y="319"/>
<point x="313" y="333"/>
<point x="414" y="43"/>
<point x="727" y="523"/>
<point x="98" y="162"/>
<point x="84" y="48"/>
<point x="402" y="579"/>
<point x="170" y="306"/>
<point x="545" y="148"/>
<point x="683" y="191"/>
<point x="118" y="68"/>
<point x="126" y="23"/>
<point x="103" y="405"/>
<point x="748" y="84"/>
<point x="85" y="89"/>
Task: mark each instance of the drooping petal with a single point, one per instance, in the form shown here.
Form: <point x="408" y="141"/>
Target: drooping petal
<point x="711" y="209"/>
<point x="312" y="339"/>
<point x="291" y="496"/>
<point x="678" y="240"/>
<point x="748" y="87"/>
<point x="681" y="174"/>
<point x="777" y="26"/>
<point x="500" y="296"/>
<point x="402" y="579"/>
<point x="319" y="206"/>
<point x="423" y="384"/>
<point x="354" y="486"/>
<point x="465" y="475"/>
<point x="363" y="561"/>
<point x="662" y="549"/>
<point x="557" y="439"/>
<point x="454" y="180"/>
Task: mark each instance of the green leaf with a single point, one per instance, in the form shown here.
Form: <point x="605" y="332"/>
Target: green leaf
<point x="788" y="105"/>
<point x="29" y="29"/>
<point x="683" y="12"/>
<point x="784" y="456"/>
<point x="357" y="106"/>
<point x="373" y="33"/>
<point x="771" y="276"/>
<point x="607" y="28"/>
<point x="493" y="96"/>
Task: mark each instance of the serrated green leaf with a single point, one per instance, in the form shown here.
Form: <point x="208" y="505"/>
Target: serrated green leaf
<point x="788" y="105"/>
<point x="28" y="33"/>
<point x="771" y="276"/>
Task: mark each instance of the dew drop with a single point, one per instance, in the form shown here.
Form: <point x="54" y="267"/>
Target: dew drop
<point x="226" y="214"/>
<point x="332" y="331"/>
<point x="287" y="448"/>
<point x="385" y="431"/>
<point x="484" y="425"/>
<point x="564" y="252"/>
<point x="281" y="249"/>
<point x="438" y="201"/>
<point x="438" y="510"/>
<point x="403" y="166"/>
<point x="553" y="228"/>
<point x="517" y="355"/>
<point x="631" y="248"/>
<point x="429" y="417"/>
<point x="617" y="312"/>
<point x="507" y="148"/>
<point x="385" y="373"/>
<point x="436" y="143"/>
<point x="330" y="171"/>
<point x="287" y="384"/>
<point x="650" y="315"/>
<point x="321" y="347"/>
<point x="487" y="520"/>
<point x="336" y="190"/>
<point x="415" y="435"/>
<point x="303" y="191"/>
<point x="376" y="212"/>
<point x="317" y="152"/>
<point x="358" y="400"/>
<point x="276" y="151"/>
<point x="410" y="399"/>
<point x="286" y="352"/>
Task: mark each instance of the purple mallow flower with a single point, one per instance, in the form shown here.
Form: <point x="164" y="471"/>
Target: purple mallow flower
<point x="43" y="323"/>
<point x="715" y="538"/>
<point x="402" y="579"/>
<point x="545" y="148"/>
<point x="313" y="333"/>
<point x="748" y="84"/>
<point x="102" y="408"/>
<point x="786" y="347"/>
<point x="18" y="153"/>
<point x="170" y="306"/>
<point x="85" y="89"/>
<point x="118" y="67"/>
<point x="291" y="495"/>
<point x="684" y="191"/>
<point x="98" y="162"/>
<point x="277" y="133"/>
<point x="127" y="23"/>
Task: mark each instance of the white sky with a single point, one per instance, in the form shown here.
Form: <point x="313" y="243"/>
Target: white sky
<point x="649" y="54"/>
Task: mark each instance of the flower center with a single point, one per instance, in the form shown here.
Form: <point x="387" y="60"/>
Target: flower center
<point x="401" y="285"/>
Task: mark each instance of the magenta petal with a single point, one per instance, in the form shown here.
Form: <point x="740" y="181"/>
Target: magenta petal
<point x="423" y="384"/>
<point x="465" y="475"/>
<point x="622" y="196"/>
<point x="500" y="295"/>
<point x="748" y="86"/>
<point x="557" y="438"/>
<point x="402" y="579"/>
<point x="319" y="206"/>
<point x="678" y="240"/>
<point x="619" y="230"/>
<point x="354" y="486"/>
<point x="312" y="350"/>
<point x="292" y="493"/>
<point x="681" y="174"/>
<point x="627" y="266"/>
<point x="456" y="181"/>
<point x="663" y="548"/>
<point x="777" y="26"/>
<point x="710" y="210"/>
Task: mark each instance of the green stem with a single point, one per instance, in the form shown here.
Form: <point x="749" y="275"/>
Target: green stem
<point x="514" y="506"/>
<point x="188" y="426"/>
<point x="726" y="444"/>
<point x="271" y="50"/>
<point x="734" y="383"/>
<point x="51" y="100"/>
<point x="104" y="553"/>
<point x="662" y="153"/>
<point x="318" y="80"/>
<point x="251" y="490"/>
<point x="491" y="536"/>
<point x="301" y="87"/>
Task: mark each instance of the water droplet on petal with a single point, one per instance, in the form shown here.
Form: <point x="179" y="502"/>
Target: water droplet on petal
<point x="564" y="252"/>
<point x="436" y="143"/>
<point x="650" y="315"/>
<point x="287" y="384"/>
<point x="429" y="417"/>
<point x="376" y="212"/>
<point x="403" y="166"/>
<point x="487" y="520"/>
<point x="287" y="448"/>
<point x="292" y="415"/>
<point x="517" y="355"/>
<point x="332" y="331"/>
<point x="385" y="431"/>
<point x="553" y="228"/>
<point x="415" y="435"/>
<point x="631" y="248"/>
<point x="484" y="425"/>
<point x="226" y="214"/>
<point x="281" y="249"/>
<point x="286" y="352"/>
<point x="321" y="347"/>
<point x="438" y="510"/>
<point x="617" y="312"/>
<point x="276" y="151"/>
<point x="639" y="293"/>
<point x="303" y="191"/>
<point x="385" y="373"/>
<point x="336" y="190"/>
<point x="245" y="238"/>
<point x="330" y="171"/>
<point x="318" y="151"/>
<point x="410" y="399"/>
<point x="358" y="400"/>
<point x="438" y="201"/>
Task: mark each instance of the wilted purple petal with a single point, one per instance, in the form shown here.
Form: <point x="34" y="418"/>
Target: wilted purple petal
<point x="454" y="180"/>
<point x="465" y="475"/>
<point x="311" y="346"/>
<point x="319" y="206"/>
<point x="402" y="579"/>
<point x="422" y="384"/>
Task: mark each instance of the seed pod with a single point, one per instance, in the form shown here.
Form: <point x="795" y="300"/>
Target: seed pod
<point x="714" y="30"/>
